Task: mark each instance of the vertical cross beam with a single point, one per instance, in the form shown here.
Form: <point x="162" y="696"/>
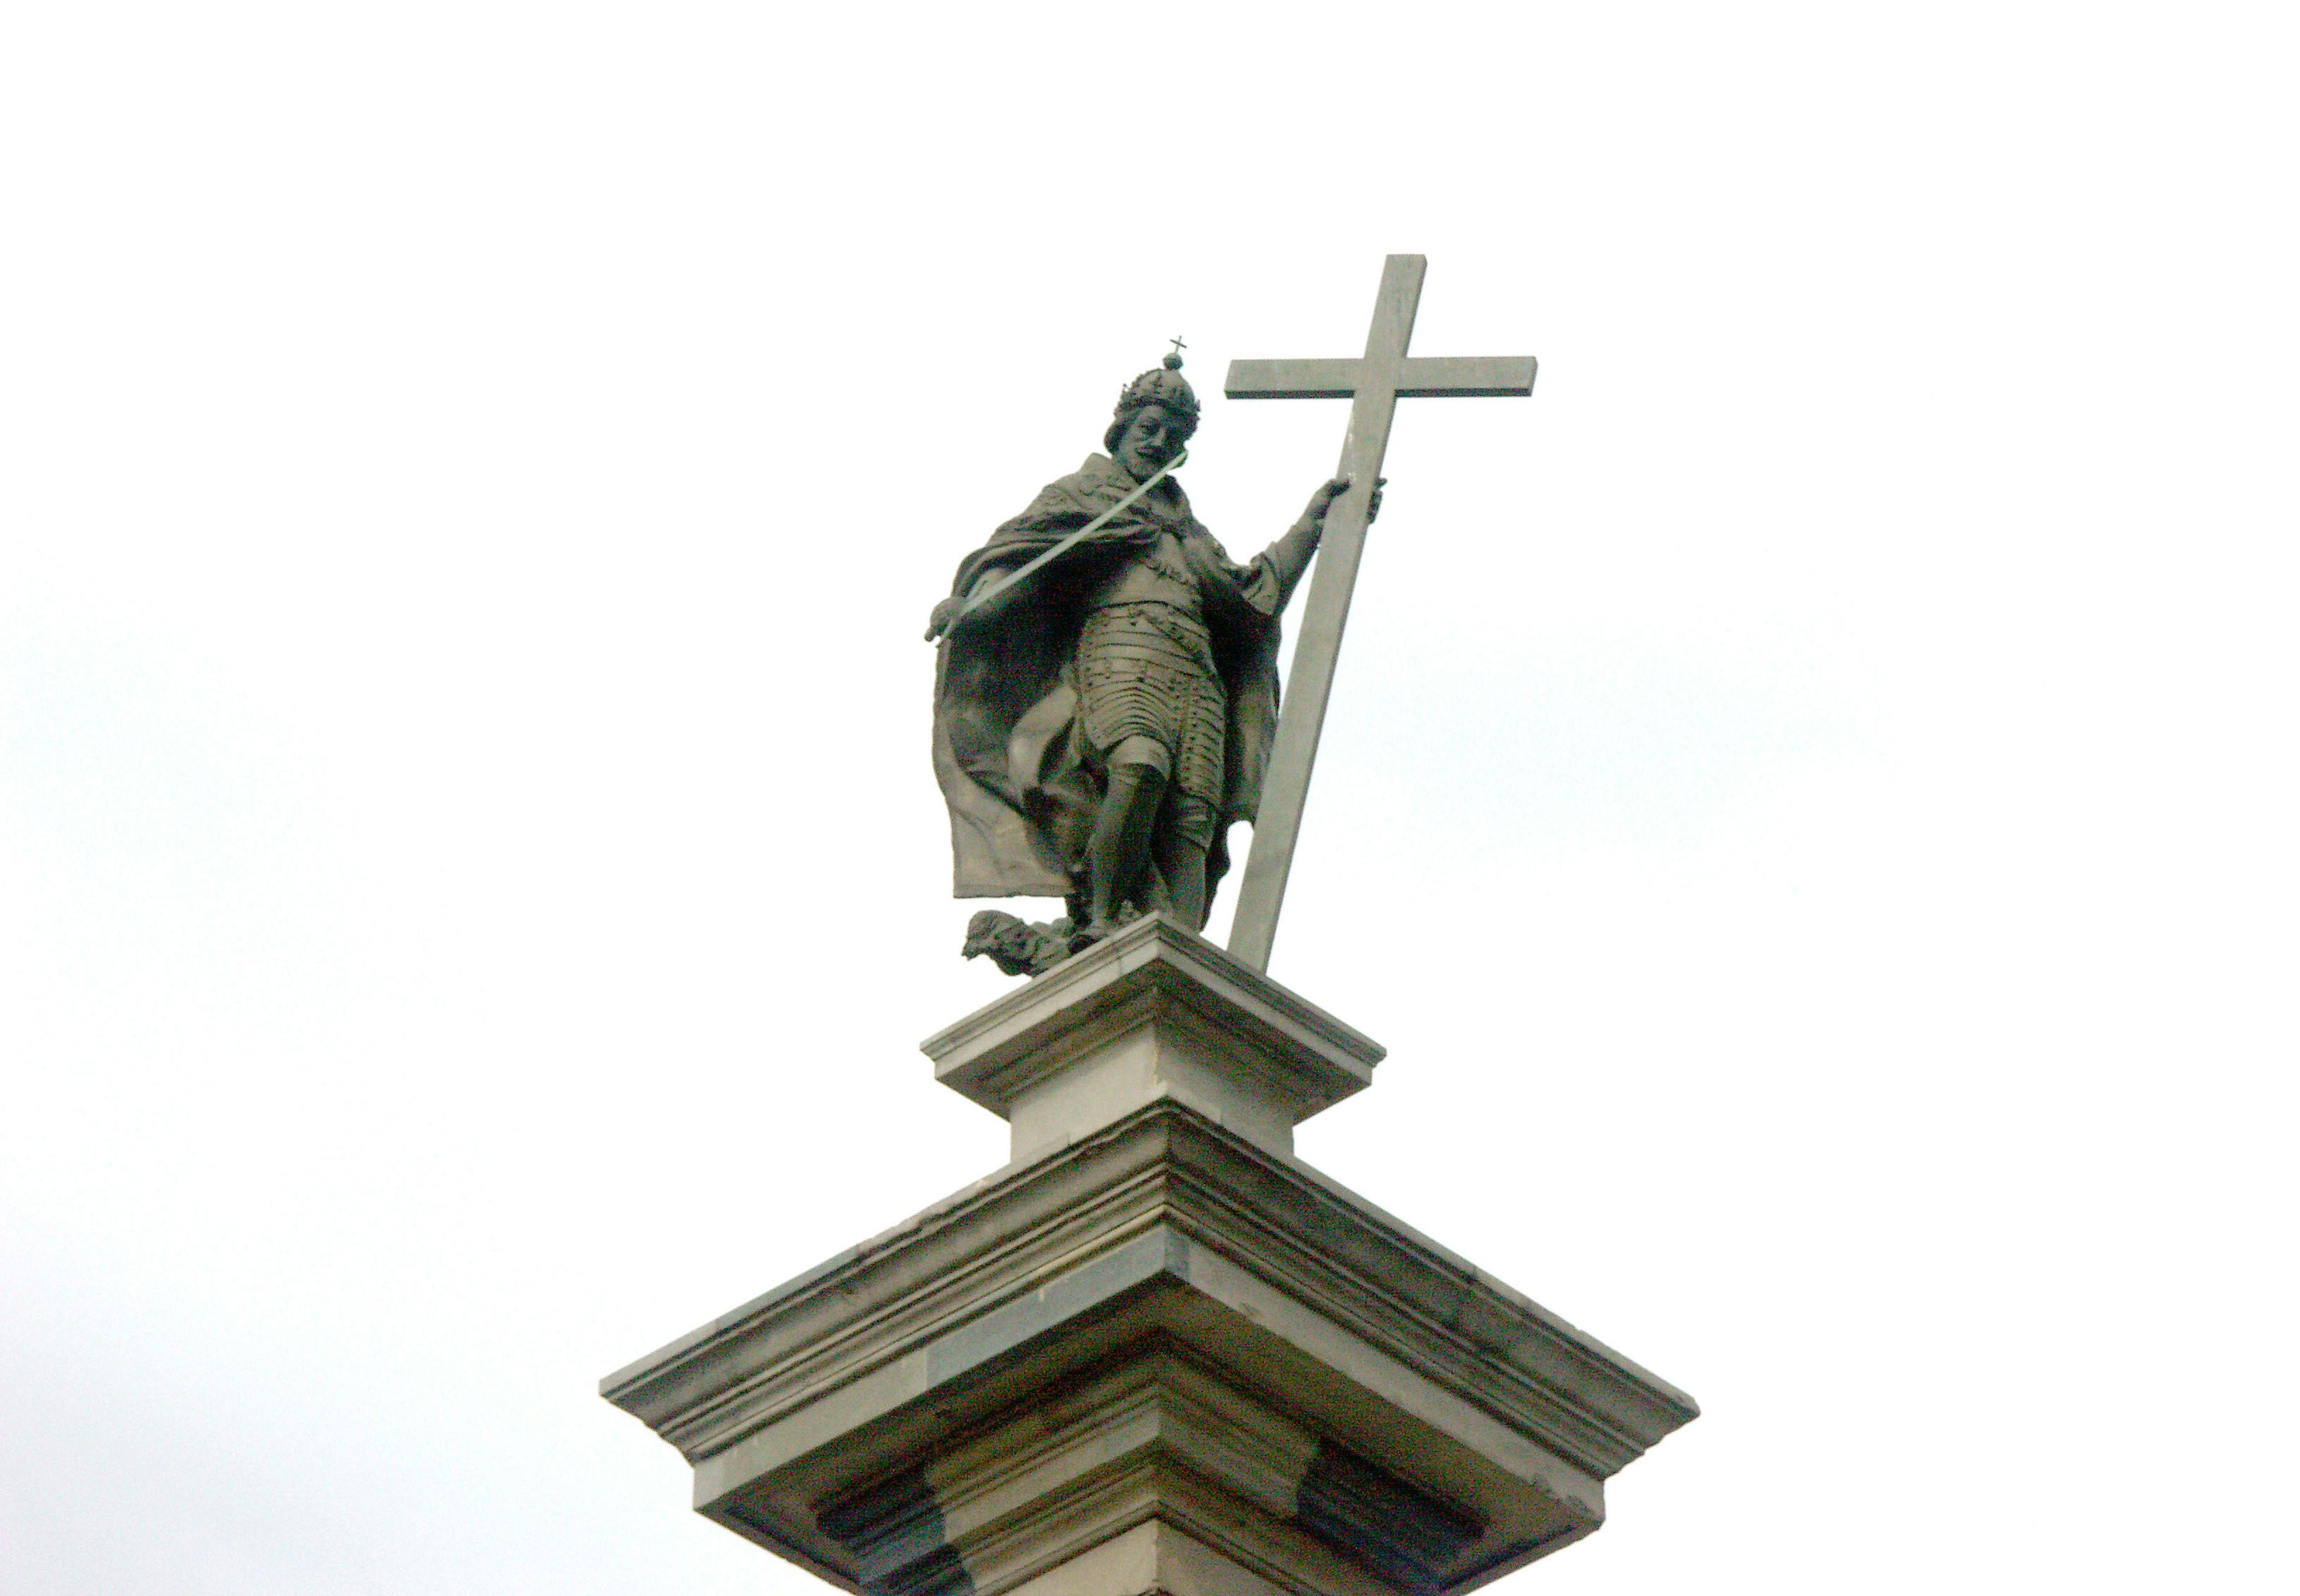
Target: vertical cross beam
<point x="1373" y="385"/>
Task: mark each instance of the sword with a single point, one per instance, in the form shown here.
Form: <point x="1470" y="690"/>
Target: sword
<point x="1066" y="545"/>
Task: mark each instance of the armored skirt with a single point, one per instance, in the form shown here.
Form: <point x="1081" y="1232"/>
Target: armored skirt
<point x="1146" y="670"/>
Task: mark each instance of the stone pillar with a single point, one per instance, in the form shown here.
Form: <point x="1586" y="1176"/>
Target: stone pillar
<point x="1155" y="1352"/>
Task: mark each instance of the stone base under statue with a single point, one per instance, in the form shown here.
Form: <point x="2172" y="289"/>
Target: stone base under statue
<point x="1155" y="1352"/>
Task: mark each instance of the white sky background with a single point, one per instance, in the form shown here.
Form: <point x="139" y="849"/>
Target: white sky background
<point x="1808" y="800"/>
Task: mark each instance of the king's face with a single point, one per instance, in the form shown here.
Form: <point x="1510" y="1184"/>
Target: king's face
<point x="1153" y="435"/>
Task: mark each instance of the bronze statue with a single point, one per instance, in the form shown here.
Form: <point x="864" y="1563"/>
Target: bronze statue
<point x="1106" y="690"/>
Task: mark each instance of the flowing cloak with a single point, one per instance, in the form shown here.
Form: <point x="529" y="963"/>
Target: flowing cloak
<point x="1009" y="749"/>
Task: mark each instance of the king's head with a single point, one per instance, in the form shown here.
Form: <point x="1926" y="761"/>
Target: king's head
<point x="1155" y="417"/>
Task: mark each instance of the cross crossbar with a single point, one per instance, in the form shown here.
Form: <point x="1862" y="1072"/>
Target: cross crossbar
<point x="1374" y="383"/>
<point x="1483" y="377"/>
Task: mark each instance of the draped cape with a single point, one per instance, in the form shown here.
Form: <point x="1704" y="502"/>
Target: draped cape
<point x="1009" y="749"/>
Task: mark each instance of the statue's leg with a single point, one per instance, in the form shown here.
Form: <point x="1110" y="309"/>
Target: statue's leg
<point x="1118" y="846"/>
<point x="1186" y="831"/>
<point x="1184" y="862"/>
<point x="1185" y="837"/>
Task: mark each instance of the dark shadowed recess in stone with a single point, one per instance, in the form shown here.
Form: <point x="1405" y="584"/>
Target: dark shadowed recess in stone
<point x="895" y="1531"/>
<point x="1408" y="1538"/>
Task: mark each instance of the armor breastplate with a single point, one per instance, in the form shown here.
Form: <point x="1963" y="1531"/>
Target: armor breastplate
<point x="1157" y="576"/>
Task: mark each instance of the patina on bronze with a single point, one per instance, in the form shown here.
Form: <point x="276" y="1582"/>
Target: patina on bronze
<point x="1106" y="690"/>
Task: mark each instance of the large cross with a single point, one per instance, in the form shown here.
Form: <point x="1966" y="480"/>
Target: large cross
<point x="1373" y="386"/>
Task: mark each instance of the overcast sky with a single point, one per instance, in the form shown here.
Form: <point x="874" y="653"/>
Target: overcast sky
<point x="1808" y="800"/>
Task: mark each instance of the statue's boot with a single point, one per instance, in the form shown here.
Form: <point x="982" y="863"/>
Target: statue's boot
<point x="1117" y="849"/>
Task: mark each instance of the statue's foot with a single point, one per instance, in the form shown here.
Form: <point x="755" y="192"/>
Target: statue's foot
<point x="1094" y="931"/>
<point x="1091" y="933"/>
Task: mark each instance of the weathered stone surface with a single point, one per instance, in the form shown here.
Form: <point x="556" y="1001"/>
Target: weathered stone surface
<point x="1154" y="1011"/>
<point x="1162" y="1236"/>
<point x="1156" y="1351"/>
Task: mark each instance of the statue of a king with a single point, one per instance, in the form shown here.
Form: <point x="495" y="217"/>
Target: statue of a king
<point x="1101" y="721"/>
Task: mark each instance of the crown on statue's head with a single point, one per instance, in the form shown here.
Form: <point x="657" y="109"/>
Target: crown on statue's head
<point x="1162" y="384"/>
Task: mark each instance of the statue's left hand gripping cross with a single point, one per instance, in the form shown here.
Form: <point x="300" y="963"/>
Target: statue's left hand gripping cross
<point x="1373" y="385"/>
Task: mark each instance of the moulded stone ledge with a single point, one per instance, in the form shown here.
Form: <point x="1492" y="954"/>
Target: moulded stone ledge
<point x="1167" y="1241"/>
<point x="1154" y="1011"/>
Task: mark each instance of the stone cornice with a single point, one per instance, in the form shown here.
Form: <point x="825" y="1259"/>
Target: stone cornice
<point x="1163" y="1169"/>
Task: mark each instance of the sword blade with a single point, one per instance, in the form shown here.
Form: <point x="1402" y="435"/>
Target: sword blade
<point x="1072" y="540"/>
